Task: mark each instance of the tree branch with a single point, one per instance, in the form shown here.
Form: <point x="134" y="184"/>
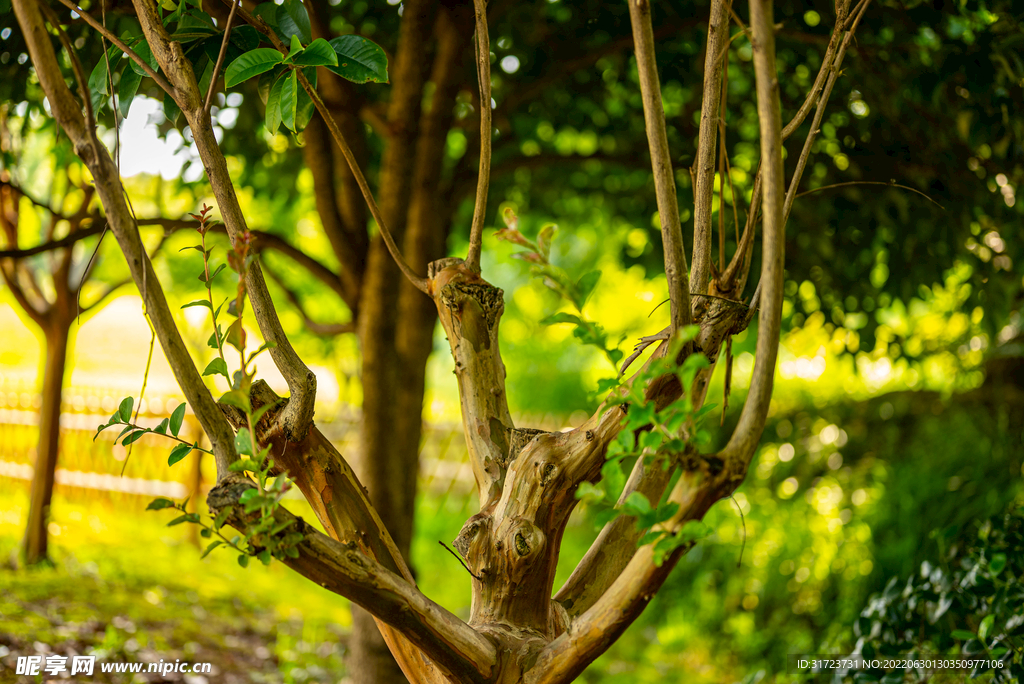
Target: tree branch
<point x="104" y="172"/>
<point x="301" y="381"/>
<point x="220" y="57"/>
<point x="736" y="454"/>
<point x="417" y="281"/>
<point x="102" y="30"/>
<point x="805" y="153"/>
<point x="707" y="142"/>
<point x="342" y="567"/>
<point x="661" y="162"/>
<point x="483" y="74"/>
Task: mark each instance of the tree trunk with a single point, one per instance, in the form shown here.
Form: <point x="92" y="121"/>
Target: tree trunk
<point x="34" y="546"/>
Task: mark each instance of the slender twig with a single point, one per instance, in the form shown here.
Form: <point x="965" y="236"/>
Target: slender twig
<point x="842" y="24"/>
<point x="461" y="562"/>
<point x="755" y="301"/>
<point x="145" y="380"/>
<point x="483" y="74"/>
<point x="418" y="282"/>
<point x="722" y="154"/>
<point x="805" y="153"/>
<point x="891" y="184"/>
<point x="220" y="57"/>
<point x="37" y="202"/>
<point x="743" y="522"/>
<point x="327" y="329"/>
<point x="160" y="81"/>
<point x="76" y="64"/>
<point x="661" y="164"/>
<point x="707" y="145"/>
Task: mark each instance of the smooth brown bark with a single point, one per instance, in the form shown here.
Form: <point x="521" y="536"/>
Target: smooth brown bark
<point x="35" y="544"/>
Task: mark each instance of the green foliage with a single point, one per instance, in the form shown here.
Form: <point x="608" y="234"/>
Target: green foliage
<point x="971" y="604"/>
<point x="658" y="435"/>
<point x="132" y="432"/>
<point x="352" y="57"/>
<point x="577" y="292"/>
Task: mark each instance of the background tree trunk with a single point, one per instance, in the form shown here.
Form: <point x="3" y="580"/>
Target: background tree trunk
<point x="34" y="546"/>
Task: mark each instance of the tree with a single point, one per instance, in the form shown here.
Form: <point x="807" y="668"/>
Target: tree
<point x="528" y="481"/>
<point x="53" y="305"/>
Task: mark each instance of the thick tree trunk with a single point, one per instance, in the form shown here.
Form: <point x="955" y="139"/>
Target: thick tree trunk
<point x="34" y="546"/>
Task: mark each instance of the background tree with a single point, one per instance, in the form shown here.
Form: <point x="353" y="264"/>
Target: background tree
<point x="48" y="288"/>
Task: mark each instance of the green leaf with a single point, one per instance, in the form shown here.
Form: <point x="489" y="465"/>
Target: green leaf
<point x="245" y="37"/>
<point x="171" y="109"/>
<point x="212" y="342"/>
<point x="206" y="533"/>
<point x="589" y="492"/>
<point x="141" y="48"/>
<point x="651" y="440"/>
<point x="176" y="417"/>
<point x="636" y="504"/>
<point x="216" y="272"/>
<point x="293" y="20"/>
<point x="273" y="116"/>
<point x="317" y="53"/>
<point x="217" y="366"/>
<point x="997" y="563"/>
<point x="294" y="49"/>
<point x="198" y="302"/>
<point x="267" y="11"/>
<point x="359" y="59"/>
<point x="179" y="452"/>
<point x="289" y="99"/>
<point x="296" y="105"/>
<point x="612" y="480"/>
<point x="177" y="521"/>
<point x="544" y="238"/>
<point x="126" y="89"/>
<point x="159" y="504"/>
<point x="161" y="429"/>
<point x="252" y="63"/>
<point x="134" y="437"/>
<point x="264" y="556"/>
<point x="235" y="335"/>
<point x="210" y="548"/>
<point x="236" y="398"/>
<point x="985" y="627"/>
<point x="585" y="286"/>
<point x="124" y="410"/>
<point x="561" y="318"/>
<point x="267" y="80"/>
<point x="243" y="442"/>
<point x="98" y="81"/>
<point x="243" y="560"/>
<point x="605" y="517"/>
<point x="243" y="465"/>
<point x="247" y="495"/>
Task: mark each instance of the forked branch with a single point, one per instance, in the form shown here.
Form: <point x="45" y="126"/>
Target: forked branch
<point x="298" y="415"/>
